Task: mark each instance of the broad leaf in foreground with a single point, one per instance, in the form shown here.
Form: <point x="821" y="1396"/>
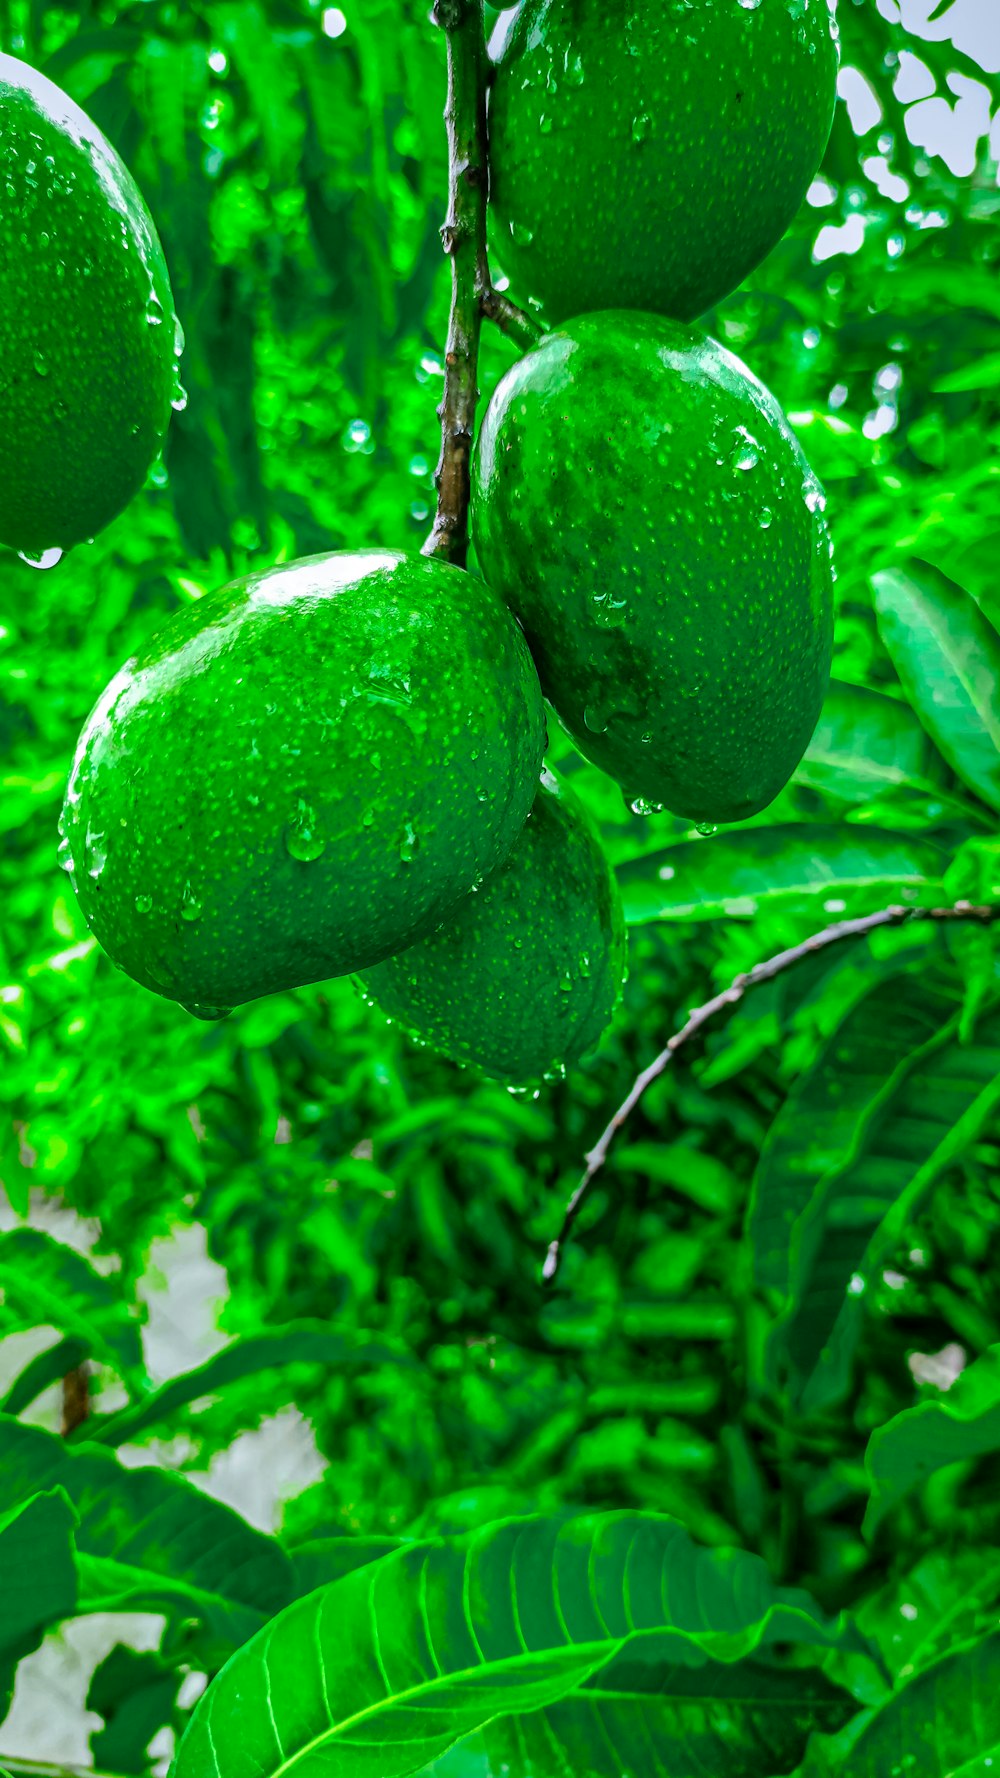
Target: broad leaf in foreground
<point x="45" y="1283"/>
<point x="380" y="1673"/>
<point x="301" y="1342"/>
<point x="734" y="1722"/>
<point x="322" y="1560"/>
<point x="944" y="1723"/>
<point x="962" y="1424"/>
<point x="867" y="746"/>
<point x="37" y="1578"/>
<point x="147" y="1540"/>
<point x="788" y="869"/>
<point x="947" y="655"/>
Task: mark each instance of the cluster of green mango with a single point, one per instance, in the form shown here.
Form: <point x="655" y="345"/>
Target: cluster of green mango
<point x="336" y="765"/>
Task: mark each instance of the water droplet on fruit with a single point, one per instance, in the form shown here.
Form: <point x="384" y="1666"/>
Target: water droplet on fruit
<point x="198" y="1011"/>
<point x="566" y="983"/>
<point x="595" y="720"/>
<point x="47" y="559"/>
<point x="302" y="840"/>
<point x="179" y="399"/>
<point x="573" y="66"/>
<point x="750" y="5"/>
<point x="41" y="367"/>
<point x="143" y="904"/>
<point x="745" y="453"/>
<point x="706" y="828"/>
<point x="641" y="127"/>
<point x="154" y="311"/>
<point x="813" y="495"/>
<point x="190" y="905"/>
<point x="178" y="337"/>
<point x="766" y="515"/>
<point x="521" y="234"/>
<point x="639" y="805"/>
<point x="368" y="817"/>
<point x="409" y="845"/>
<point x="545" y="126"/>
<point x="95" y="853"/>
<point x="584" y="965"/>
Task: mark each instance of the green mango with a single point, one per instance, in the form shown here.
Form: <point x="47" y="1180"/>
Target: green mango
<point x="653" y="523"/>
<point x="301" y="773"/>
<point x="648" y="155"/>
<point x="523" y="976"/>
<point x="88" y="334"/>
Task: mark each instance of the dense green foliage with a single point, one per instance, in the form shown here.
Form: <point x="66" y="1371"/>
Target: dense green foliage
<point x="790" y="1248"/>
<point x="88" y="334"/>
<point x="679" y="603"/>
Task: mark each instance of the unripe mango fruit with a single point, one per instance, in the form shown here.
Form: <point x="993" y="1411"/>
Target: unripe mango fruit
<point x="522" y="977"/>
<point x="649" y="155"/>
<point x="87" y="324"/>
<point x="301" y="773"/>
<point x="653" y="522"/>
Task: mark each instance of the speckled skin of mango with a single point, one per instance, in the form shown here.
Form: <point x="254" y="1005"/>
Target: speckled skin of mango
<point x="523" y="976"/>
<point x="300" y="774"/>
<point x="648" y="155"/>
<point x="87" y="324"/>
<point x="652" y="520"/>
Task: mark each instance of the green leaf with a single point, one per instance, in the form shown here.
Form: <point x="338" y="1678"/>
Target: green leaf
<point x="301" y="1342"/>
<point x="46" y="1368"/>
<point x="982" y="373"/>
<point x="817" y="1128"/>
<point x="713" y="1719"/>
<point x="945" y="1723"/>
<point x="947" y="655"/>
<point x="926" y="1106"/>
<point x="323" y="1560"/>
<point x="445" y="1635"/>
<point x="788" y="869"/>
<point x="135" y="1695"/>
<point x="867" y="745"/>
<point x="911" y="1446"/>
<point x="37" y="1577"/>
<point x="45" y="1283"/>
<point x="148" y="1540"/>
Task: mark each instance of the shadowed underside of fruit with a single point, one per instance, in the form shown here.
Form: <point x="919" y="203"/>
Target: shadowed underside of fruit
<point x="302" y="773"/>
<point x="87" y="324"/>
<point x="652" y="520"/>
<point x="648" y="156"/>
<point x="523" y="976"/>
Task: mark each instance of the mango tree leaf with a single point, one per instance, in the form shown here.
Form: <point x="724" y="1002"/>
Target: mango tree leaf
<point x="147" y="1540"/>
<point x="301" y="1342"/>
<point x="866" y="745"/>
<point x="945" y="1723"/>
<point x="44" y="1282"/>
<point x="45" y="1368"/>
<point x="383" y="1671"/>
<point x="38" y="1585"/>
<point x="322" y="1560"/>
<point x="815" y="1131"/>
<point x="947" y="655"/>
<point x="930" y="1111"/>
<point x="788" y="869"/>
<point x="952" y="1595"/>
<point x="717" y="1719"/>
<point x="135" y="1694"/>
<point x="950" y="1429"/>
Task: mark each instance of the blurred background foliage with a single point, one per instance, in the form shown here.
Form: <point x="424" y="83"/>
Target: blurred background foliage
<point x="293" y="158"/>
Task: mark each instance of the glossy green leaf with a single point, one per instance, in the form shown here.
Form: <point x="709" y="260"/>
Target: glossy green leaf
<point x="45" y="1282"/>
<point x="322" y="1560"/>
<point x="912" y="1445"/>
<point x="947" y="655"/>
<point x="38" y="1585"/>
<point x="302" y="1342"/>
<point x="943" y="1723"/>
<point x="826" y="872"/>
<point x="634" y="1723"/>
<point x="445" y="1635"/>
<point x="867" y="745"/>
<point x="147" y="1540"/>
<point x="41" y="1372"/>
<point x="134" y="1693"/>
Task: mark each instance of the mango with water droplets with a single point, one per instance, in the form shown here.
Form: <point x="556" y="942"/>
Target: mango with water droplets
<point x="87" y="324"/>
<point x="648" y="155"/>
<point x="523" y="976"/>
<point x="653" y="522"/>
<point x="301" y="773"/>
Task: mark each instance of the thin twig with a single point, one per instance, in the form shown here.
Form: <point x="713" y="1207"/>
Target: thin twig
<point x="464" y="239"/>
<point x="472" y="292"/>
<point x="761" y="972"/>
<point x="76" y="1404"/>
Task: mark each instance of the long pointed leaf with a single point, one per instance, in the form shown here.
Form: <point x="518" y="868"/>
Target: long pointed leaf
<point x="382" y="1672"/>
<point x="945" y="1723"/>
<point x="44" y="1282"/>
<point x="37" y="1577"/>
<point x="912" y="1445"/>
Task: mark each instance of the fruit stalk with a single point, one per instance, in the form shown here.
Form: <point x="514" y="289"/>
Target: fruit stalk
<point x="463" y="236"/>
<point x="766" y="971"/>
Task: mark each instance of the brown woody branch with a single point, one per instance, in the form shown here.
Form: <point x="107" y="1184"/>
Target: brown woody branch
<point x="761" y="972"/>
<point x="472" y="291"/>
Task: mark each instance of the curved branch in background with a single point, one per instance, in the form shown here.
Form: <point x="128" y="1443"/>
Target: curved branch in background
<point x="472" y="294"/>
<point x="761" y="972"/>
